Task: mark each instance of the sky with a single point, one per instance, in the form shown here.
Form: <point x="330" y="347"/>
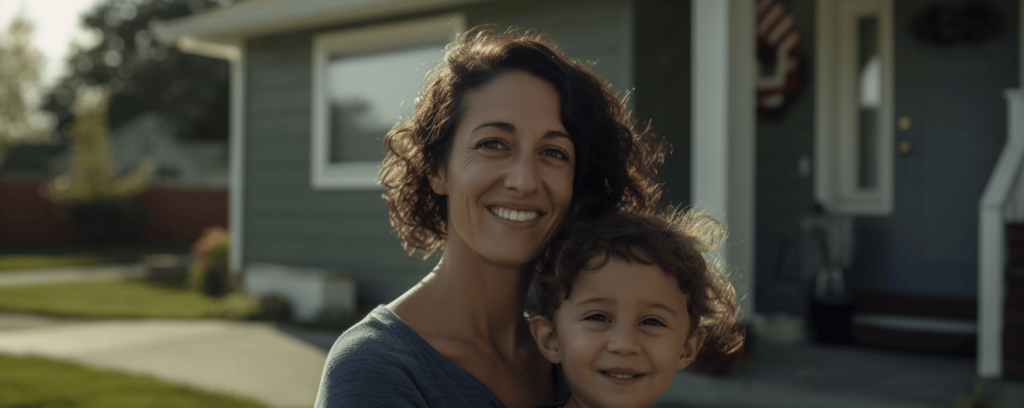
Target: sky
<point x="57" y="23"/>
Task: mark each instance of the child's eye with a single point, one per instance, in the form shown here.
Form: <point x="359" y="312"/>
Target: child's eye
<point x="652" y="322"/>
<point x="597" y="317"/>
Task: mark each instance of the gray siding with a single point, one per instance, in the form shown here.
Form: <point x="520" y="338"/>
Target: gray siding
<point x="782" y="195"/>
<point x="661" y="68"/>
<point x="287" y="222"/>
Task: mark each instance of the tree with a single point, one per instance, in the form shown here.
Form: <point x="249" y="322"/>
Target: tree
<point x="98" y="204"/>
<point x="142" y="75"/>
<point x="91" y="177"/>
<point x="20" y="65"/>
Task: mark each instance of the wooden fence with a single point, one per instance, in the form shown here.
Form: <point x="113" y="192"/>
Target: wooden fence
<point x="175" y="214"/>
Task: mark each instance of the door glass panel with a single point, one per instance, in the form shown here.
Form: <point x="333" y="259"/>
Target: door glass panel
<point x="368" y="93"/>
<point x="870" y="90"/>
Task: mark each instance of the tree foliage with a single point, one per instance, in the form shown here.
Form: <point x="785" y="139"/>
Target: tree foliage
<point x="143" y="75"/>
<point x="91" y="177"/>
<point x="20" y="66"/>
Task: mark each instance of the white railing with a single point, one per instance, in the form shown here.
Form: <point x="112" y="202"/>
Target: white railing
<point x="1002" y="201"/>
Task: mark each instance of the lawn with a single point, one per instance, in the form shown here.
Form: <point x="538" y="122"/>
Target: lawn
<point x="108" y="298"/>
<point x="44" y="383"/>
<point x="18" y="262"/>
<point x="19" y="258"/>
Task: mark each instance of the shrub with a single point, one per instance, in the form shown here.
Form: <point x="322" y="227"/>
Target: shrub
<point x="209" y="274"/>
<point x="275" y="308"/>
<point x="236" y="305"/>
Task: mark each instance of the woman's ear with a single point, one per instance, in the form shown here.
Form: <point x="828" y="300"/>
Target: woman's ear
<point x="692" y="347"/>
<point x="547" y="340"/>
<point x="438" y="183"/>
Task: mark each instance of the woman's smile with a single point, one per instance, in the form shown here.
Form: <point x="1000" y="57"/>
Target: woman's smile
<point x="514" y="215"/>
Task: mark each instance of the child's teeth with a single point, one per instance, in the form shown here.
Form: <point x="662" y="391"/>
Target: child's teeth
<point x="621" y="376"/>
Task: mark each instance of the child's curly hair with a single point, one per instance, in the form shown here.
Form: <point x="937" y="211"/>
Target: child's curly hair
<point x="676" y="242"/>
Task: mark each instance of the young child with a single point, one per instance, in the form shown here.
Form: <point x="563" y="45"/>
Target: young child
<point x="624" y="302"/>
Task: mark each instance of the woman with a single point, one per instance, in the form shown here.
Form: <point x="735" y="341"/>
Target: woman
<point x="509" y="142"/>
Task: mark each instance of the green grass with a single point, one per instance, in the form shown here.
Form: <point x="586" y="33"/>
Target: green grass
<point x="16" y="262"/>
<point x="58" y="256"/>
<point x="108" y="298"/>
<point x="44" y="383"/>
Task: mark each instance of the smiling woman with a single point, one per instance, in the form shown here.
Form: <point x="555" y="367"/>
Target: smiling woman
<point x="509" y="142"/>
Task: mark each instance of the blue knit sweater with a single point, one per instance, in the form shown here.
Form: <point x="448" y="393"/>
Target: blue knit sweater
<point x="382" y="362"/>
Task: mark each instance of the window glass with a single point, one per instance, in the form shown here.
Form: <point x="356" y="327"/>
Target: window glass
<point x="368" y="93"/>
<point x="870" y="87"/>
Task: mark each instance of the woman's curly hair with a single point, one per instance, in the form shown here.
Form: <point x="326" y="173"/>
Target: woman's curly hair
<point x="616" y="162"/>
<point x="676" y="242"/>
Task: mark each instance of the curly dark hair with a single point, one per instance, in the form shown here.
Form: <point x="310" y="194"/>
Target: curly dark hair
<point x="675" y="242"/>
<point x="616" y="161"/>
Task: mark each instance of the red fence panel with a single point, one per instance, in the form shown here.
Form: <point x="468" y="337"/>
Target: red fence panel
<point x="175" y="214"/>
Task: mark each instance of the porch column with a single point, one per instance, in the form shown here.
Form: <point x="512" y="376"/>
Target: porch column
<point x="236" y="202"/>
<point x="723" y="150"/>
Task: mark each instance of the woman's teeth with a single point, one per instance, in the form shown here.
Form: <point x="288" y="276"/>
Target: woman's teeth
<point x="619" y="376"/>
<point x="514" y="215"/>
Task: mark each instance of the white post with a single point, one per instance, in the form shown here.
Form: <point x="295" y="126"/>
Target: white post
<point x="723" y="151"/>
<point x="237" y="161"/>
<point x="992" y="240"/>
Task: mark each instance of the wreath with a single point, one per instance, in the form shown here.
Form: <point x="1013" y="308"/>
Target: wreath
<point x="779" y="58"/>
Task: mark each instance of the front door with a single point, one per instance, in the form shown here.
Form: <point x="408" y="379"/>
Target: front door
<point x="949" y="126"/>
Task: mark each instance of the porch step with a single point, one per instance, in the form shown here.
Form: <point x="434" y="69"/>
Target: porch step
<point x="916" y="323"/>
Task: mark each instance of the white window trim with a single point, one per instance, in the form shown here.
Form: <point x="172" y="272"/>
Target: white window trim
<point x="362" y="175"/>
<point x="835" y="145"/>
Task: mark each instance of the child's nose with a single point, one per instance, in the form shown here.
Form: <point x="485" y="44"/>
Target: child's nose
<point x="623" y="340"/>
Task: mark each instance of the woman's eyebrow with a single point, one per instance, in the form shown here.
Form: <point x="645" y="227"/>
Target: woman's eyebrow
<point x="555" y="133"/>
<point x="508" y="127"/>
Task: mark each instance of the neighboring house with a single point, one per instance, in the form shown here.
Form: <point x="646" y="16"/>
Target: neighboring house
<point x="150" y="137"/>
<point x="872" y="109"/>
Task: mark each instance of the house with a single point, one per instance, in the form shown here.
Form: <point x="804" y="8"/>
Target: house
<point x="893" y="114"/>
<point x="150" y="137"/>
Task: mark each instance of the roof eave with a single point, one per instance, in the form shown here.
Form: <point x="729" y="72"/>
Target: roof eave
<point x="220" y="33"/>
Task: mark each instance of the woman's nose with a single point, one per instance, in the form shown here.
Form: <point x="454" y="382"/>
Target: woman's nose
<point x="622" y="340"/>
<point x="522" y="177"/>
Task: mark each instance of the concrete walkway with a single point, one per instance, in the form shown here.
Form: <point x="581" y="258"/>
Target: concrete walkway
<point x="69" y="274"/>
<point x="812" y="376"/>
<point x="254" y="360"/>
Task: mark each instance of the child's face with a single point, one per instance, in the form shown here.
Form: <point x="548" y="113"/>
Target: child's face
<point x="621" y="336"/>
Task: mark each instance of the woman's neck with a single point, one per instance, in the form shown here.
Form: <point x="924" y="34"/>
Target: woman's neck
<point x="466" y="297"/>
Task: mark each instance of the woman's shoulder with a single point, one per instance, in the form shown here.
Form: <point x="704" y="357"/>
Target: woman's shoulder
<point x="372" y="364"/>
<point x="380" y="336"/>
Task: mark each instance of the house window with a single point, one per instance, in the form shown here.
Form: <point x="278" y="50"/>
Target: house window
<point x="853" y="129"/>
<point x="364" y="81"/>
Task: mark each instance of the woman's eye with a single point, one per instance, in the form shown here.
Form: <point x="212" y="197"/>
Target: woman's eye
<point x="491" y="144"/>
<point x="556" y="153"/>
<point x="652" y="322"/>
<point x="597" y="318"/>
